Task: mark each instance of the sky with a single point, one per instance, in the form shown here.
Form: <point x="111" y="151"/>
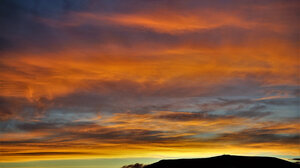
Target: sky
<point x="104" y="83"/>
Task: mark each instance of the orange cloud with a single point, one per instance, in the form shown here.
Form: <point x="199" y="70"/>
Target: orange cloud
<point x="172" y="133"/>
<point x="177" y="80"/>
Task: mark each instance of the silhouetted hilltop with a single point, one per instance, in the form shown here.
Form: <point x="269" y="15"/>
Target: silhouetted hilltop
<point x="225" y="161"/>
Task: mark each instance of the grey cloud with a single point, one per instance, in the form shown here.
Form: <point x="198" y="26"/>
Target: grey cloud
<point x="125" y="136"/>
<point x="190" y="116"/>
<point x="47" y="153"/>
<point x="257" y="111"/>
<point x="254" y="136"/>
<point x="21" y="22"/>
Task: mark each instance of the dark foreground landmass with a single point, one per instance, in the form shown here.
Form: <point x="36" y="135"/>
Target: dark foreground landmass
<point x="224" y="161"/>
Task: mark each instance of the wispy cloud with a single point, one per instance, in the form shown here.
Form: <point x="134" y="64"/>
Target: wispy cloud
<point x="139" y="78"/>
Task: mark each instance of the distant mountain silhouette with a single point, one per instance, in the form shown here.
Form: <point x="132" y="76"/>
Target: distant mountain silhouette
<point x="225" y="161"/>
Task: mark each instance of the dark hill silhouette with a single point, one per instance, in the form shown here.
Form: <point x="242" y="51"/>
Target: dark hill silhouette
<point x="225" y="161"/>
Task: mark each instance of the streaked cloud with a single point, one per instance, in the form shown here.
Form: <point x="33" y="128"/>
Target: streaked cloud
<point x="85" y="79"/>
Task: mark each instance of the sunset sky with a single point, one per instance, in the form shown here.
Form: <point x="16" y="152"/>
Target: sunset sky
<point x="105" y="83"/>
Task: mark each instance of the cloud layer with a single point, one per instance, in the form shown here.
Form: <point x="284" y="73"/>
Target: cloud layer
<point x="139" y="78"/>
